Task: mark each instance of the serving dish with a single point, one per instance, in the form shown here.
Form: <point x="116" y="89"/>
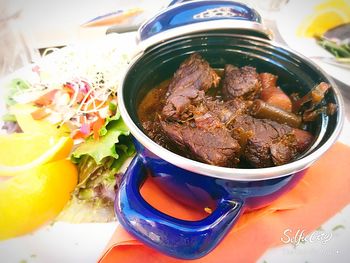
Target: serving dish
<point x="222" y="32"/>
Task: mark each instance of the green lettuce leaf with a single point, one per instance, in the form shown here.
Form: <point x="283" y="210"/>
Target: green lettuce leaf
<point x="15" y="86"/>
<point x="104" y="129"/>
<point x="99" y="165"/>
<point x="105" y="146"/>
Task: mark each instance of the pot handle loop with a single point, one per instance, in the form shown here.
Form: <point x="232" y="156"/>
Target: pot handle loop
<point x="172" y="236"/>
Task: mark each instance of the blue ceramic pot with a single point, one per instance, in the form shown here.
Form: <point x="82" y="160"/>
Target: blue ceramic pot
<point x="229" y="191"/>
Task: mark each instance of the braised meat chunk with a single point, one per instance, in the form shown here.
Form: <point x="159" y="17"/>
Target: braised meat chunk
<point x="206" y="140"/>
<point x="272" y="94"/>
<point x="227" y="111"/>
<point x="240" y="83"/>
<point x="193" y="76"/>
<point x="263" y="146"/>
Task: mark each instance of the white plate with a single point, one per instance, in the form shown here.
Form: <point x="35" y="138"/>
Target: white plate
<point x="289" y="19"/>
<point x="65" y="242"/>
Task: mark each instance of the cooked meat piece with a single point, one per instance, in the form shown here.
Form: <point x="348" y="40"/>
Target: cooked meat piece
<point x="272" y="94"/>
<point x="208" y="121"/>
<point x="263" y="128"/>
<point x="284" y="149"/>
<point x="206" y="139"/>
<point x="269" y="143"/>
<point x="194" y="75"/>
<point x="194" y="71"/>
<point x="268" y="80"/>
<point x="154" y="131"/>
<point x="304" y="139"/>
<point x="240" y="83"/>
<point x="227" y="111"/>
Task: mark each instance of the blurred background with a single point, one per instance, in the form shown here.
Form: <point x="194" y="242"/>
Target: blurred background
<point x="57" y="23"/>
<point x="27" y="28"/>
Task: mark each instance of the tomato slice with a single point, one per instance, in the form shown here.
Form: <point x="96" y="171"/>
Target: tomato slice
<point x="96" y="126"/>
<point x="46" y="99"/>
<point x="40" y="113"/>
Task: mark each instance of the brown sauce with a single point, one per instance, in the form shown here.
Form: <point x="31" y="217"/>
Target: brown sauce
<point x="153" y="102"/>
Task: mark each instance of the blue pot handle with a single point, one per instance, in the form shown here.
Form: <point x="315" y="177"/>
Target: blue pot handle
<point x="172" y="236"/>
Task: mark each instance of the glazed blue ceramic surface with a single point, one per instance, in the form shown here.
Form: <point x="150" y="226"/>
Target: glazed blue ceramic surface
<point x="182" y="13"/>
<point x="228" y="192"/>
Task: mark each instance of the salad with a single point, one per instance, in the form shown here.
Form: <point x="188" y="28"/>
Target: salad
<point x="73" y="92"/>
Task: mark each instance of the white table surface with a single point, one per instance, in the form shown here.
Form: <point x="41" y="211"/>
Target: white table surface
<point x="63" y="242"/>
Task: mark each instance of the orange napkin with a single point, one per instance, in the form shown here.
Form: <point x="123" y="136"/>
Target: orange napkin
<point x="323" y="191"/>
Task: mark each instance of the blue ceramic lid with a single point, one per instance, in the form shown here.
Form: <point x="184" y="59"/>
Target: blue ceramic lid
<point x="186" y="17"/>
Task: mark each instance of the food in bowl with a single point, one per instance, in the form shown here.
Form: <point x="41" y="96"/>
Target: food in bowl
<point x="233" y="117"/>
